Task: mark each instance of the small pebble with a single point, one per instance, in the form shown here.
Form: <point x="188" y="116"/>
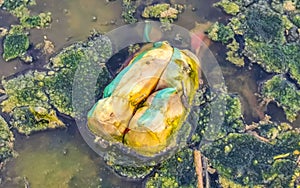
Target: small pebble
<point x="94" y="18"/>
<point x="65" y="151"/>
<point x="194" y="9"/>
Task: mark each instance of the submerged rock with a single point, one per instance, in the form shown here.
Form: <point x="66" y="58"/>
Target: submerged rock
<point x="145" y="111"/>
<point x="284" y="93"/>
<point x="14" y="46"/>
<point x="178" y="171"/>
<point x="43" y="94"/>
<point x="269" y="35"/>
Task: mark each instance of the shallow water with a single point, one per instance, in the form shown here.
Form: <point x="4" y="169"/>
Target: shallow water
<point x="60" y="158"/>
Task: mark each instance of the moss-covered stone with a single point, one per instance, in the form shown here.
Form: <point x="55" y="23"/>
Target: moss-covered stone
<point x="29" y="104"/>
<point x="89" y="57"/>
<point x="270" y="57"/>
<point x="6" y="141"/>
<point x="15" y="46"/>
<point x="31" y="119"/>
<point x="40" y="94"/>
<point x="232" y="54"/>
<point x="228" y="6"/>
<point x="178" y="171"/>
<point x="28" y="21"/>
<point x="228" y="120"/>
<point x="221" y="33"/>
<point x="40" y="21"/>
<point x="284" y="93"/>
<point x="166" y="13"/>
<point x="132" y="172"/>
<point x="268" y="34"/>
<point x="13" y="4"/>
<point x="250" y="161"/>
<point x="262" y="24"/>
<point x="25" y="90"/>
<point x="163" y="10"/>
<point x="128" y="11"/>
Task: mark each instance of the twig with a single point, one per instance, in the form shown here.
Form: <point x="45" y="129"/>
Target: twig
<point x="255" y="134"/>
<point x="198" y="168"/>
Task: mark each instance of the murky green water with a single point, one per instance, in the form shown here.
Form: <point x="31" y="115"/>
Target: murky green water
<point x="60" y="158"/>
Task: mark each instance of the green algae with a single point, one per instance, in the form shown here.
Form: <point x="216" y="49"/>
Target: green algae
<point x="268" y="33"/>
<point x="13" y="4"/>
<point x="89" y="57"/>
<point x="132" y="172"/>
<point x="257" y="155"/>
<point x="128" y="11"/>
<point x="17" y="42"/>
<point x="229" y="119"/>
<point x="15" y="46"/>
<point x="28" y="119"/>
<point x="164" y="12"/>
<point x="29" y="104"/>
<point x="284" y="93"/>
<point x="51" y="90"/>
<point x="220" y="32"/>
<point x="232" y="54"/>
<point x="251" y="161"/>
<point x="178" y="171"/>
<point x="228" y="6"/>
<point x="29" y="93"/>
<point x="6" y="142"/>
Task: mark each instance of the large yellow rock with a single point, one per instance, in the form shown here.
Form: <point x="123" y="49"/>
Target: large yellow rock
<point x="148" y="101"/>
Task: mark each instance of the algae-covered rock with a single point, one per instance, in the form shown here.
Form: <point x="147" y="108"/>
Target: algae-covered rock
<point x="40" y="21"/>
<point x="284" y="93"/>
<point x="178" y="171"/>
<point x="261" y="24"/>
<point x="6" y="141"/>
<point x="249" y="160"/>
<point x="128" y="11"/>
<point x="29" y="104"/>
<point x="220" y="32"/>
<point x="34" y="97"/>
<point x="268" y="34"/>
<point x="232" y="54"/>
<point x="166" y="13"/>
<point x="163" y="10"/>
<point x="15" y="46"/>
<point x="228" y="120"/>
<point x="89" y="57"/>
<point x="228" y="6"/>
<point x="25" y="90"/>
<point x="31" y="119"/>
<point x="13" y="4"/>
<point x="131" y="171"/>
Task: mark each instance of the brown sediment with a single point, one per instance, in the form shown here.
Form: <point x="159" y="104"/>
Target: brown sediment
<point x="198" y="168"/>
<point x="48" y="46"/>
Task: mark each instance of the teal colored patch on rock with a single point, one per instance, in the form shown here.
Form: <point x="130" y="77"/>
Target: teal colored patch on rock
<point x="176" y="54"/>
<point x="159" y="101"/>
<point x="112" y="86"/>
